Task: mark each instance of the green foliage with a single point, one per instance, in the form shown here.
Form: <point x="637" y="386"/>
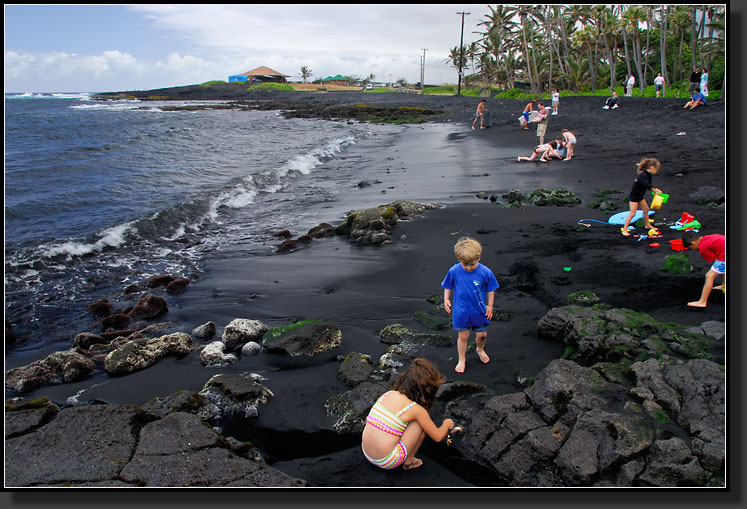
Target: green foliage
<point x="446" y="89"/>
<point x="271" y="86"/>
<point x="209" y="84"/>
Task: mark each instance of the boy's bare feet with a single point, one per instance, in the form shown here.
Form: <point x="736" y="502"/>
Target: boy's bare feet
<point x="459" y="367"/>
<point x="625" y="232"/>
<point x="696" y="304"/>
<point x="415" y="463"/>
<point x="483" y="357"/>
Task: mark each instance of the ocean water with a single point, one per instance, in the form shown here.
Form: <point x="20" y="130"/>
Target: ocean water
<point x="101" y="195"/>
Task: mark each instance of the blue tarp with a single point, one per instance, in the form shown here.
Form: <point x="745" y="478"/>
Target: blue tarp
<point x="237" y="77"/>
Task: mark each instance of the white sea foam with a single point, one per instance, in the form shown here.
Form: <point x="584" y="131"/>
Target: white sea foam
<point x="305" y="163"/>
<point x="84" y="96"/>
<point x="111" y="237"/>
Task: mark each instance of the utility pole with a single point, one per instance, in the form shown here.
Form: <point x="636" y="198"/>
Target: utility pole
<point x="461" y="54"/>
<point x="422" y="70"/>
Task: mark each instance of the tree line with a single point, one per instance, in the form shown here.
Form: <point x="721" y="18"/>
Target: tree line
<point x="591" y="47"/>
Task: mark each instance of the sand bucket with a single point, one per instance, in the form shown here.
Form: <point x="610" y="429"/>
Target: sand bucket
<point x="659" y="200"/>
<point x="676" y="245"/>
<point x="686" y="218"/>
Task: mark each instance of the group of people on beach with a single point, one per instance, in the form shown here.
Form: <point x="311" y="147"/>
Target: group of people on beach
<point x="399" y="420"/>
<point x="561" y="147"/>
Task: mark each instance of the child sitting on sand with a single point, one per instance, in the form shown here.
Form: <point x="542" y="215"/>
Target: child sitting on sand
<point x="399" y="420"/>
<point x="611" y="102"/>
<point x="642" y="183"/>
<point x="545" y="151"/>
<point x="473" y="286"/>
<point x="697" y="100"/>
<point x="713" y="249"/>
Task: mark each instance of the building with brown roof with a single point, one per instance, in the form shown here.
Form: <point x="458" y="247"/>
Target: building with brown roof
<point x="260" y="75"/>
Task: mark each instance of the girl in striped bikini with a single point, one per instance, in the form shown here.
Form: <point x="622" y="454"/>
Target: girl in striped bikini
<point x="399" y="420"/>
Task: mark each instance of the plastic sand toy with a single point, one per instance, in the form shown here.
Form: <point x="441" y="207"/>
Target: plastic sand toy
<point x="659" y="200"/>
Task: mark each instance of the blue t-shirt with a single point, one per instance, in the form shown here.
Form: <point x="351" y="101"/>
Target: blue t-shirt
<point x="700" y="96"/>
<point x="470" y="292"/>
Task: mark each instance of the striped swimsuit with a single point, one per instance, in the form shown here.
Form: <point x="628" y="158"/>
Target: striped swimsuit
<point x="383" y="419"/>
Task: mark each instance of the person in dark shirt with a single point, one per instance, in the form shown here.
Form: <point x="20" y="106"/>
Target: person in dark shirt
<point x="694" y="80"/>
<point x="646" y="168"/>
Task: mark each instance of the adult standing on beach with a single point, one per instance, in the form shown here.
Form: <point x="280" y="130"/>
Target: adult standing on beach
<point x="659" y="84"/>
<point x="543" y="119"/>
<point x="569" y="142"/>
<point x="483" y="115"/>
<point x="704" y="83"/>
<point x="555" y="101"/>
<point x="630" y="84"/>
<point x="694" y="80"/>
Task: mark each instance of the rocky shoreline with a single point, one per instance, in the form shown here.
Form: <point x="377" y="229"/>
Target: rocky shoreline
<point x="631" y="401"/>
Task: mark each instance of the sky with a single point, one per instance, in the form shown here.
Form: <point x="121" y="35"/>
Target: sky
<point x="110" y="48"/>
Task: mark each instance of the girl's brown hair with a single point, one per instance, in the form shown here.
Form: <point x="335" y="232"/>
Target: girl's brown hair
<point x="419" y="382"/>
<point x="647" y="163"/>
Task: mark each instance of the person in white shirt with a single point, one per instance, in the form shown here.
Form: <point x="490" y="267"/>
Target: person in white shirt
<point x="659" y="84"/>
<point x="630" y="84"/>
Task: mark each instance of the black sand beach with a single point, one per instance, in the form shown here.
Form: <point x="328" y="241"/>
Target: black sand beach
<point x="364" y="288"/>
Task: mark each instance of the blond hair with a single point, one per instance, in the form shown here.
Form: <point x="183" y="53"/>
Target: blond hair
<point x="647" y="163"/>
<point x="468" y="250"/>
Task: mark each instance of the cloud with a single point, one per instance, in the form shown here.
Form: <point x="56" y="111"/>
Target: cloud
<point x="175" y="45"/>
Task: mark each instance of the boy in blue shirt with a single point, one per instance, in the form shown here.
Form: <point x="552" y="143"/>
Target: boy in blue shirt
<point x="697" y="100"/>
<point x="473" y="286"/>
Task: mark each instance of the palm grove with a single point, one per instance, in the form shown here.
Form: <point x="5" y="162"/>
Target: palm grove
<point x="592" y="47"/>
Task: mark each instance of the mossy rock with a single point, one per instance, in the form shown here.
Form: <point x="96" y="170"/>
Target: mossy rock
<point x="553" y="197"/>
<point x="677" y="263"/>
<point x="432" y="322"/>
<point x="583" y="298"/>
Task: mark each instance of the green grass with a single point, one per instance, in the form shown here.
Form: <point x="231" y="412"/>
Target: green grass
<point x="271" y="86"/>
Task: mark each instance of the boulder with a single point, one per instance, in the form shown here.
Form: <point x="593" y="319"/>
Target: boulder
<point x="240" y="331"/>
<point x="309" y="337"/>
<point x="101" y="308"/>
<point x="81" y="444"/>
<point x="251" y="348"/>
<point x="140" y="353"/>
<point x="204" y="331"/>
<point x="705" y="195"/>
<point x="236" y="394"/>
<point x="177" y="286"/>
<point x="355" y="369"/>
<point x="85" y="340"/>
<point x="159" y="280"/>
<point x="117" y="321"/>
<point x="149" y="306"/>
<point x="214" y="354"/>
<point x="350" y="409"/>
<point x="57" y="368"/>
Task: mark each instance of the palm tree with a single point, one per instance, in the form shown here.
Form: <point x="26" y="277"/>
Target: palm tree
<point x="498" y="26"/>
<point x="305" y="73"/>
<point x="457" y="58"/>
